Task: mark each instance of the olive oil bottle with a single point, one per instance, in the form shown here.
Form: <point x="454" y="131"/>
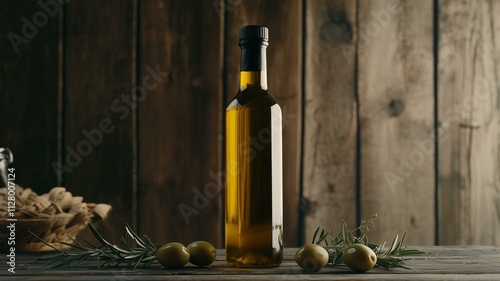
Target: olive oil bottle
<point x="254" y="204"/>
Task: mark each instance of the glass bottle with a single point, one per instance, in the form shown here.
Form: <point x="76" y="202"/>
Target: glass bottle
<point x="254" y="203"/>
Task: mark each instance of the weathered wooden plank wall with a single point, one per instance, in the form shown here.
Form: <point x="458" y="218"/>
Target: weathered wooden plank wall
<point x="396" y="109"/>
<point x="365" y="87"/>
<point x="95" y="85"/>
<point x="331" y="115"/>
<point x="180" y="121"/>
<point x="468" y="115"/>
<point x="31" y="91"/>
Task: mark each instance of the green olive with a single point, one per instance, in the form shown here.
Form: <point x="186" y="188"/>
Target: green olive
<point x="201" y="253"/>
<point x="172" y="255"/>
<point x="311" y="257"/>
<point x="359" y="257"/>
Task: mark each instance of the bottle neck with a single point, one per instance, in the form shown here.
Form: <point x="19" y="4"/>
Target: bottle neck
<point x="253" y="78"/>
<point x="253" y="71"/>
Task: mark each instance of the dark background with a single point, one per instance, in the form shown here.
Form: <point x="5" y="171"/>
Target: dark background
<point x="390" y="107"/>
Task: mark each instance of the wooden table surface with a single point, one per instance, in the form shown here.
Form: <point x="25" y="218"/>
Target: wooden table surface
<point x="439" y="263"/>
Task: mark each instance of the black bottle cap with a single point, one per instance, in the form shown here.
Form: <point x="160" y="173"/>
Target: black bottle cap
<point x="254" y="34"/>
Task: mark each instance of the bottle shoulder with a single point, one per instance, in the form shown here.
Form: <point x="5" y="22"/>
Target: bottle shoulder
<point x="252" y="96"/>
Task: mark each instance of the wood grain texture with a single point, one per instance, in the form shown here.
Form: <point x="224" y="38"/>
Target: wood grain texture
<point x="284" y="61"/>
<point x="469" y="116"/>
<point x="99" y="75"/>
<point x="396" y="109"/>
<point x="330" y="122"/>
<point x="30" y="91"/>
<point x="369" y="101"/>
<point x="439" y="263"/>
<point x="180" y="122"/>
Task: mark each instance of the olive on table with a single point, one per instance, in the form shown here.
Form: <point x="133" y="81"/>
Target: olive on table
<point x="172" y="255"/>
<point x="311" y="257"/>
<point x="359" y="257"/>
<point x="201" y="253"/>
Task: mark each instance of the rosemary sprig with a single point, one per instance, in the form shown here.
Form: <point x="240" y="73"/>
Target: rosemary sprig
<point x="106" y="253"/>
<point x="387" y="257"/>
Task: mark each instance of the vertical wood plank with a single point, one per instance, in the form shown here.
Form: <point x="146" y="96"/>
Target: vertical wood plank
<point x="330" y="123"/>
<point x="180" y="122"/>
<point x="469" y="116"/>
<point x="99" y="124"/>
<point x="284" y="53"/>
<point x="30" y="91"/>
<point x="396" y="101"/>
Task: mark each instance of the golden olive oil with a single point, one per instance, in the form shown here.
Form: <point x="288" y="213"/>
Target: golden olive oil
<point x="254" y="163"/>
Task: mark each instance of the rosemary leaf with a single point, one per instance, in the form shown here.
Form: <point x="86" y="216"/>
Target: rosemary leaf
<point x="314" y="236"/>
